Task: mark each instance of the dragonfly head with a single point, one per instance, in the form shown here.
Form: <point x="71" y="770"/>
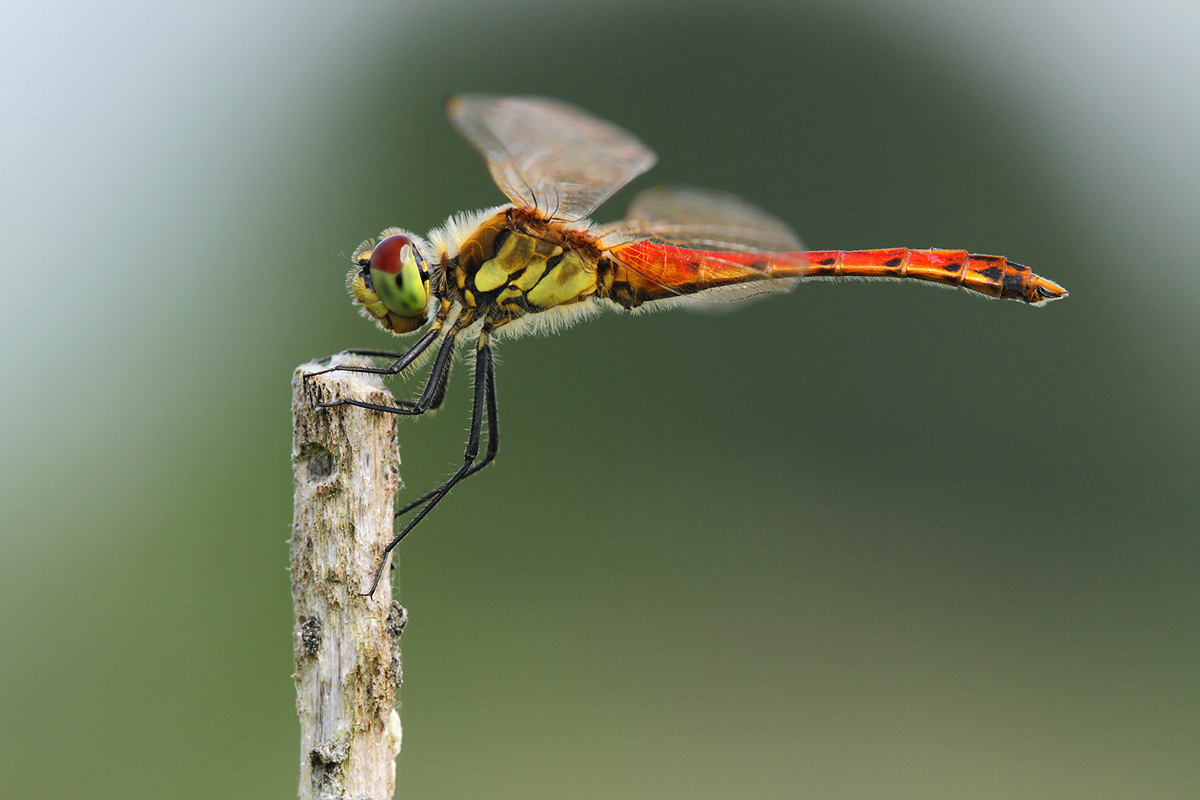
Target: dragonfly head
<point x="390" y="281"/>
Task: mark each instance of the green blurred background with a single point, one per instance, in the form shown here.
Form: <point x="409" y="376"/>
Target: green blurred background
<point x="862" y="541"/>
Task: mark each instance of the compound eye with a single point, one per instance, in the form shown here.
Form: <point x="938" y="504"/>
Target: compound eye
<point x="398" y="275"/>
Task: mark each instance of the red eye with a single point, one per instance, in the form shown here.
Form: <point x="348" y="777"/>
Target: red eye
<point x="388" y="255"/>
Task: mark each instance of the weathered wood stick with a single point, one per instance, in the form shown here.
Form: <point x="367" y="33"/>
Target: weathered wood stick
<point x="347" y="647"/>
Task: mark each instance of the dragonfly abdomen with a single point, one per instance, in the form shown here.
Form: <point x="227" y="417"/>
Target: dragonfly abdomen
<point x="994" y="276"/>
<point x="665" y="270"/>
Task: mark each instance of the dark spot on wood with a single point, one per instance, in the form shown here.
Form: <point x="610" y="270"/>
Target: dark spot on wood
<point x="397" y="619"/>
<point x="310" y="636"/>
<point x="326" y="761"/>
<point x="328" y="755"/>
<point x="317" y="458"/>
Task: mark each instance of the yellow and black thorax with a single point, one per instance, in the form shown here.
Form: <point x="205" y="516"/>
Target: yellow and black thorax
<point x="517" y="263"/>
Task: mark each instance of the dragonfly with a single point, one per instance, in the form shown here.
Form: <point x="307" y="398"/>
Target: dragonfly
<point x="538" y="263"/>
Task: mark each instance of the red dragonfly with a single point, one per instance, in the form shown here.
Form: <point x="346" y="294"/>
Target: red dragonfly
<point x="538" y="264"/>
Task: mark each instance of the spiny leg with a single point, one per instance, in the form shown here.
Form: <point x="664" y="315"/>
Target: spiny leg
<point x="434" y="386"/>
<point x="374" y="353"/>
<point x="483" y="375"/>
<point x="402" y="359"/>
<point x="439" y="394"/>
<point x="439" y="391"/>
<point x="493" y="446"/>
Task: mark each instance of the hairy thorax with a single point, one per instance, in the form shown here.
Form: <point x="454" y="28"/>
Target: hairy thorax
<point x="516" y="263"/>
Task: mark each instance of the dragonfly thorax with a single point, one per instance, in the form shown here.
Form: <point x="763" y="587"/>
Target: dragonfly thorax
<point x="515" y="264"/>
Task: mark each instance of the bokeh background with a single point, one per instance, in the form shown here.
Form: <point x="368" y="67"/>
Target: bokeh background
<point x="862" y="541"/>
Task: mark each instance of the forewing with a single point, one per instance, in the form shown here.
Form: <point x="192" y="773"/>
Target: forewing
<point x="733" y="250"/>
<point x="549" y="156"/>
<point x="667" y="208"/>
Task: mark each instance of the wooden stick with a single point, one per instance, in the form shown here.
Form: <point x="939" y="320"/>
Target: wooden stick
<point x="347" y="647"/>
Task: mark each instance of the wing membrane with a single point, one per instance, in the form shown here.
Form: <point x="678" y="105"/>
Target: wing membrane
<point x="549" y="156"/>
<point x="667" y="208"/>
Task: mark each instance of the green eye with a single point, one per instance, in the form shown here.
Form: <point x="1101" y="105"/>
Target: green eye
<point x="398" y="277"/>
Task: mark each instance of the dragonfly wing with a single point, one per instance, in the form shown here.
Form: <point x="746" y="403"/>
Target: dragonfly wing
<point x="549" y="156"/>
<point x="706" y="245"/>
<point x="685" y="207"/>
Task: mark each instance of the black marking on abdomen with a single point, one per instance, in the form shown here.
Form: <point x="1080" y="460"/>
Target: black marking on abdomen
<point x="1014" y="283"/>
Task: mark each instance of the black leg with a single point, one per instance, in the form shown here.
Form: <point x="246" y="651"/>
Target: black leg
<point x="402" y="359"/>
<point x="439" y="393"/>
<point x="373" y="353"/>
<point x="379" y="353"/>
<point x="493" y="436"/>
<point x="483" y="375"/>
<point x="435" y="385"/>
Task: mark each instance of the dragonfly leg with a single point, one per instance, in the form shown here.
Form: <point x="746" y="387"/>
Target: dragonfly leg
<point x="485" y="399"/>
<point x="402" y="360"/>
<point x="352" y="352"/>
<point x="377" y="353"/>
<point x="439" y="393"/>
<point x="435" y="387"/>
<point x="493" y="433"/>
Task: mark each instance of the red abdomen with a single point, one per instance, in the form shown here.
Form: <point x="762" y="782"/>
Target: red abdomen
<point x="672" y="271"/>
